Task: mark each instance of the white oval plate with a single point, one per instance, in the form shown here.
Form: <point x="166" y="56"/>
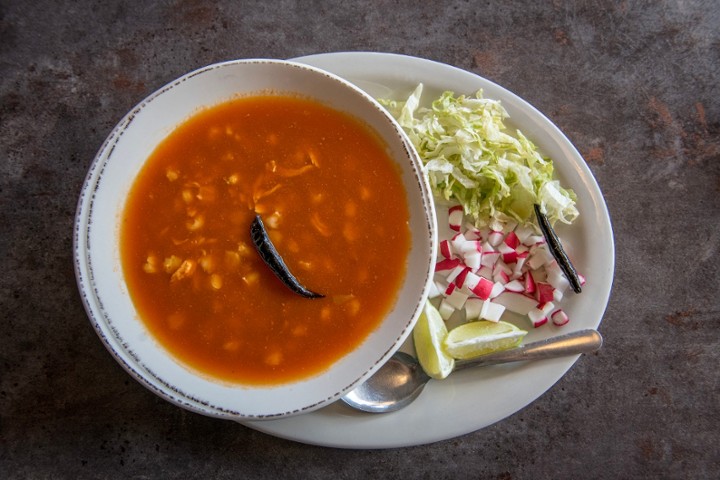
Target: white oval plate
<point x="469" y="400"/>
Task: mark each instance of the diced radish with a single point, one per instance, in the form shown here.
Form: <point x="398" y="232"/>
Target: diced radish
<point x="502" y="267"/>
<point x="558" y="280"/>
<point x="434" y="291"/>
<point x="559" y="317"/>
<point x="472" y="232"/>
<point x="518" y="269"/>
<point x="504" y="248"/>
<point x="456" y="299"/>
<point x="492" y="311"/>
<point x="534" y="240"/>
<point x="537" y="317"/>
<point x="515" y="286"/>
<point x="489" y="258"/>
<point x="497" y="289"/>
<point x="501" y="277"/>
<point x="473" y="307"/>
<point x="446" y="249"/>
<point x="544" y="292"/>
<point x="457" y="242"/>
<point x="516" y="302"/>
<point x="449" y="289"/>
<point x="471" y="246"/>
<point x="445" y="309"/>
<point x="510" y="257"/>
<point x="473" y="260"/>
<point x="547" y="307"/>
<point x="558" y="295"/>
<point x="455" y="217"/>
<point x="529" y="283"/>
<point x="538" y="257"/>
<point x="471" y="281"/>
<point x="581" y="279"/>
<point x="511" y="240"/>
<point x="522" y="232"/>
<point x="460" y="279"/>
<point x="487" y="248"/>
<point x="446" y="265"/>
<point x="455" y="272"/>
<point x="483" y="289"/>
<point x="495" y="238"/>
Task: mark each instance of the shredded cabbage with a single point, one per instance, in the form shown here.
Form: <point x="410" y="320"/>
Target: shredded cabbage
<point x="469" y="157"/>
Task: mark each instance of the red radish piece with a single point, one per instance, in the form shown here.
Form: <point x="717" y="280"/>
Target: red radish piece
<point x="460" y="279"/>
<point x="489" y="258"/>
<point x="522" y="233"/>
<point x="534" y="240"/>
<point x="434" y="291"/>
<point x="445" y="309"/>
<point x="471" y="246"/>
<point x="510" y="257"/>
<point x="537" y="317"/>
<point x="495" y="238"/>
<point x="456" y="299"/>
<point x="446" y="265"/>
<point x="446" y="249"/>
<point x="497" y="289"/>
<point x="529" y="283"/>
<point x="455" y="272"/>
<point x="516" y="302"/>
<point x="472" y="232"/>
<point x="515" y="286"/>
<point x="455" y="217"/>
<point x="473" y="307"/>
<point x="544" y="292"/>
<point x="500" y="276"/>
<point x="471" y="281"/>
<point x="559" y="318"/>
<point x="539" y="256"/>
<point x="457" y="242"/>
<point x="492" y="311"/>
<point x="511" y="240"/>
<point x="483" y="289"/>
<point x="473" y="260"/>
<point x="519" y="264"/>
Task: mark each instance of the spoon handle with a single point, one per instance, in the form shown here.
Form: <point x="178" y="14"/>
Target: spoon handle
<point x="583" y="341"/>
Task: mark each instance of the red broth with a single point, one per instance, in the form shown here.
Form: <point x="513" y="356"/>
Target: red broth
<point x="334" y="205"/>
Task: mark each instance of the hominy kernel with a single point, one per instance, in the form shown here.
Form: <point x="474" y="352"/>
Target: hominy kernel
<point x="196" y="223"/>
<point x="274" y="358"/>
<point x="216" y="281"/>
<point x="172" y="174"/>
<point x="186" y="269"/>
<point x="171" y="263"/>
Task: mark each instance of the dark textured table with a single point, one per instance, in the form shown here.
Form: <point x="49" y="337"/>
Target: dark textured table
<point x="635" y="85"/>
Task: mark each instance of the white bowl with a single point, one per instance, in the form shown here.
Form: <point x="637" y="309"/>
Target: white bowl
<point x="97" y="258"/>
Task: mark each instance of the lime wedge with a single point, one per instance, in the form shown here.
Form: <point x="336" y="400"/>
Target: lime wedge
<point x="480" y="338"/>
<point x="429" y="333"/>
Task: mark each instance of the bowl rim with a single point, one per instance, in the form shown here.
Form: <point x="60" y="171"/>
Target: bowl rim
<point x="91" y="295"/>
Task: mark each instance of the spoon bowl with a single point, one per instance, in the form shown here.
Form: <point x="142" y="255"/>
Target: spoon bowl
<point x="401" y="380"/>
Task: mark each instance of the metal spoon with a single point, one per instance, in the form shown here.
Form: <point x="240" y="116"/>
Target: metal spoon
<point x="399" y="382"/>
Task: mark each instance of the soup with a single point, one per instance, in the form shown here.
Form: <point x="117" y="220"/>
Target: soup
<point x="333" y="204"/>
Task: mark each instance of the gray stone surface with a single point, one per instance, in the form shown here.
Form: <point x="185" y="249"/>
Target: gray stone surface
<point x="634" y="84"/>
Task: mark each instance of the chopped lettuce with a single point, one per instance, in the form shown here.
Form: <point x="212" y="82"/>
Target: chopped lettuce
<point x="470" y="157"/>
